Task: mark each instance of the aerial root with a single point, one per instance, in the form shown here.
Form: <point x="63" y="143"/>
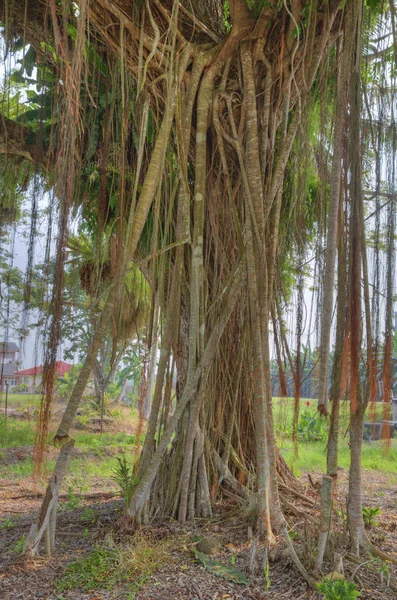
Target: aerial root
<point x="295" y="493"/>
<point x="296" y="560"/>
<point x="369" y="547"/>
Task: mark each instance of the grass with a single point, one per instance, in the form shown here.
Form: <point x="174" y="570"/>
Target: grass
<point x="104" y="449"/>
<point x="83" y="470"/>
<point x="283" y="409"/>
<point x="97" y="443"/>
<point x="312" y="457"/>
<point x="15" y="433"/>
<point x="21" y="400"/>
<point x="23" y="468"/>
<point x="105" y="568"/>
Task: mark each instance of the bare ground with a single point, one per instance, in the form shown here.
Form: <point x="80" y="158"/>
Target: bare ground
<point x="182" y="577"/>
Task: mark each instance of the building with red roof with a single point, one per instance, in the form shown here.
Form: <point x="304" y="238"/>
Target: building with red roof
<point x="32" y="377"/>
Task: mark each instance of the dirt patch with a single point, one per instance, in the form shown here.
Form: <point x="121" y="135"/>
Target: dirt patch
<point x="88" y="525"/>
<point x="26" y="414"/>
<point x="12" y="456"/>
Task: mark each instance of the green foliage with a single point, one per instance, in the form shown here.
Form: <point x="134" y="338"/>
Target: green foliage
<point x="20" y="545"/>
<point x="266" y="574"/>
<point x="91" y="572"/>
<point x="227" y="21"/>
<point x="14" y="287"/>
<point x="65" y="384"/>
<point x="22" y="388"/>
<point x="256" y="6"/>
<point x="7" y="523"/>
<point x="338" y="590"/>
<point x="125" y="478"/>
<point x="221" y="569"/>
<point x="15" y="434"/>
<point x="88" y="515"/>
<point x="311" y="427"/>
<point x="380" y="566"/>
<point x="72" y="501"/>
<point x="374" y="5"/>
<point x="369" y="515"/>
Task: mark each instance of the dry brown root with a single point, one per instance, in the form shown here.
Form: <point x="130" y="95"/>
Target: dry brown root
<point x="296" y="493"/>
<point x="369" y="547"/>
<point x="290" y="507"/>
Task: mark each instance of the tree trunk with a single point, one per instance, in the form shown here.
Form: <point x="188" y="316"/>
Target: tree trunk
<point x="121" y="394"/>
<point x="358" y="402"/>
<point x="140" y="495"/>
<point x="151" y="376"/>
<point x="330" y="479"/>
<point x="50" y="503"/>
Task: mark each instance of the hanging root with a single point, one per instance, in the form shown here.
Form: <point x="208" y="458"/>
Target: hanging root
<point x="296" y="560"/>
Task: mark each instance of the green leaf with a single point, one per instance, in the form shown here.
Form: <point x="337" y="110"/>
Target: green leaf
<point x="220" y="569"/>
<point x="338" y="590"/>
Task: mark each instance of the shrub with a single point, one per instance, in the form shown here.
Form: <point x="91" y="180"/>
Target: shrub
<point x="311" y="427"/>
<point x="338" y="590"/>
<point x="125" y="478"/>
<point x="369" y="515"/>
<point x="22" y="388"/>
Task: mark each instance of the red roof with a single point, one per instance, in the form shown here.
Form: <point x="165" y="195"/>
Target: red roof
<point x="61" y="368"/>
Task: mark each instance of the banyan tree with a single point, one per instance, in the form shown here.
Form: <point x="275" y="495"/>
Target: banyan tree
<point x="218" y="147"/>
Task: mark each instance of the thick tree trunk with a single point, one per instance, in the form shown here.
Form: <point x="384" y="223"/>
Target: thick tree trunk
<point x="172" y="315"/>
<point x="141" y="492"/>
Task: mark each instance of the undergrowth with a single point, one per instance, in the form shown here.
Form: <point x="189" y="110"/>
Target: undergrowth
<point x="15" y="433"/>
<point x="105" y="568"/>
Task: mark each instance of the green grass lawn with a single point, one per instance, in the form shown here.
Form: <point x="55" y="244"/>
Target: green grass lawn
<point x="20" y="401"/>
<point x="16" y="433"/>
<point x="283" y="409"/>
<point x="312" y="457"/>
<point x="80" y="474"/>
<point x="104" y="449"/>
